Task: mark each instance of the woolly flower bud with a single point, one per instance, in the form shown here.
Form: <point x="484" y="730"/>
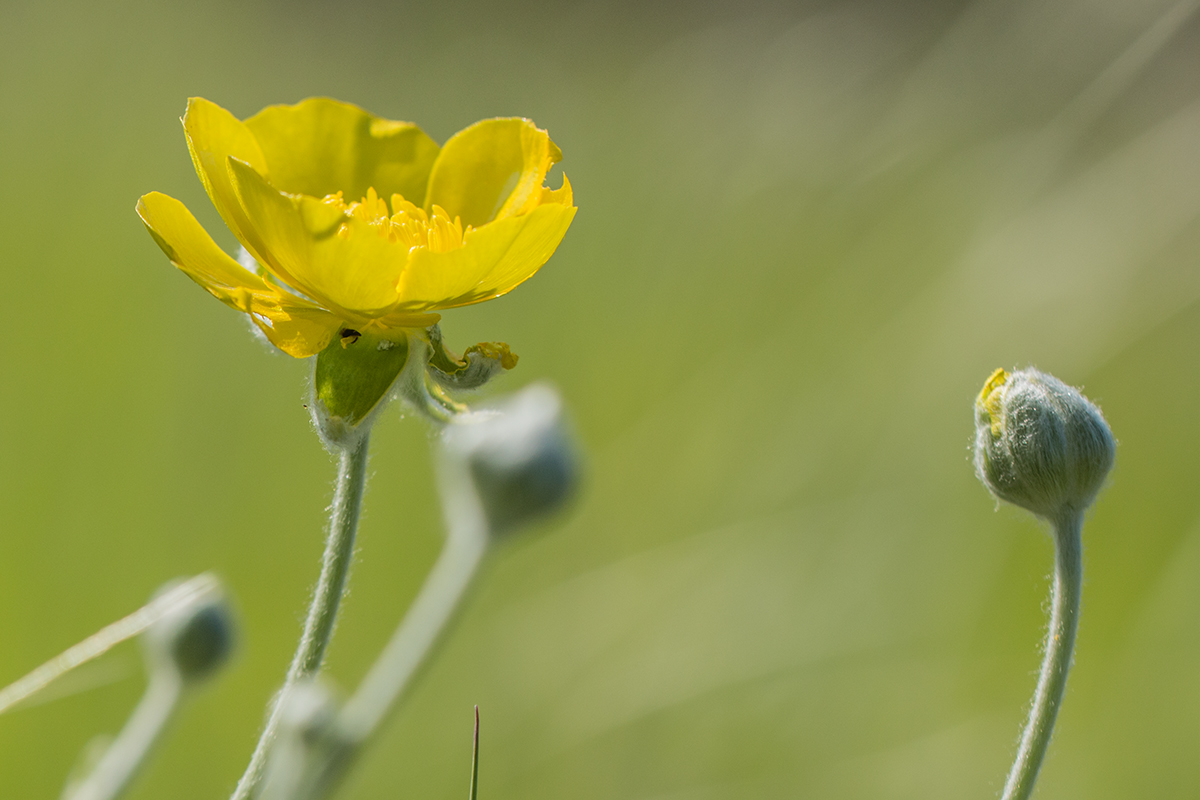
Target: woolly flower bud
<point x="196" y="637"/>
<point x="521" y="457"/>
<point x="308" y="708"/>
<point x="307" y="741"/>
<point x="1040" y="444"/>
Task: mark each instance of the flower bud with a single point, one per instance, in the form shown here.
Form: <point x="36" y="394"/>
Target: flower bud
<point x="196" y="637"/>
<point x="308" y="710"/>
<point x="306" y="743"/>
<point x="1040" y="444"/>
<point x="478" y="365"/>
<point x="521" y="456"/>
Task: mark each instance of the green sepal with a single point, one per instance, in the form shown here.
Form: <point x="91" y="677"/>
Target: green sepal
<point x="355" y="372"/>
<point x="476" y="366"/>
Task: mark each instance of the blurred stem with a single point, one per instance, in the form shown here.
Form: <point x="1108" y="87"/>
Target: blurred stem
<point x="1060" y="645"/>
<point x="392" y="672"/>
<point x="120" y="762"/>
<point x="322" y="612"/>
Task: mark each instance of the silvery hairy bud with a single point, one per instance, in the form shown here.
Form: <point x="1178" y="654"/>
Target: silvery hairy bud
<point x="196" y="637"/>
<point x="1040" y="444"/>
<point x="521" y="456"/>
<point x="306" y="744"/>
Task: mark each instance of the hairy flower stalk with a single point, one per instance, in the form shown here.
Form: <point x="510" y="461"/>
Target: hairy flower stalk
<point x="1043" y="446"/>
<point x="322" y="611"/>
<point x="1060" y="644"/>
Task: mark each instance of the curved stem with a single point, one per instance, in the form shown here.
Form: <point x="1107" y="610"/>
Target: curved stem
<point x="121" y="761"/>
<point x="322" y="612"/>
<point x="1060" y="644"/>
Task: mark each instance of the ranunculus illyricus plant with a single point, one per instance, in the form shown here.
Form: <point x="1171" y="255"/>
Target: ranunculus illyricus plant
<point x="355" y="232"/>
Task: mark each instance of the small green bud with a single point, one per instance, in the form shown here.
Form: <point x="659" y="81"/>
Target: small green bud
<point x="196" y="637"/>
<point x="521" y="456"/>
<point x="1040" y="444"/>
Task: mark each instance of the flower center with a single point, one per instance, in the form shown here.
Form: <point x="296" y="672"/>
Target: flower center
<point x="409" y="226"/>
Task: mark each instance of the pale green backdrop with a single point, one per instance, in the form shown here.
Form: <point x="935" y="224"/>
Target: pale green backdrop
<point x="807" y="233"/>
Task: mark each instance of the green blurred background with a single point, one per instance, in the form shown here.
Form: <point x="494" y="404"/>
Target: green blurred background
<point x="807" y="232"/>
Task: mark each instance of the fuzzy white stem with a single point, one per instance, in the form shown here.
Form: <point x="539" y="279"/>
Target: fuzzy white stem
<point x="1060" y="645"/>
<point x="322" y="612"/>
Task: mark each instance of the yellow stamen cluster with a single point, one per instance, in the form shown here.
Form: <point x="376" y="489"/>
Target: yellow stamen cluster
<point x="410" y="225"/>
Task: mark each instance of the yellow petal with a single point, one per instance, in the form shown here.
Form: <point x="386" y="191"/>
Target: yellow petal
<point x="213" y="134"/>
<point x="493" y="260"/>
<point x="321" y="146"/>
<point x="562" y="195"/>
<point x="336" y="258"/>
<point x="491" y="170"/>
<point x="299" y="332"/>
<point x="191" y="249"/>
<point x="292" y="324"/>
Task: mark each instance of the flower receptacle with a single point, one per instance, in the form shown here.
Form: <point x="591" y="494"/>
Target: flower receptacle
<point x="351" y="377"/>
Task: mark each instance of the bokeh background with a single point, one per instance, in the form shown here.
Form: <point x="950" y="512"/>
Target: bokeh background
<point x="808" y="231"/>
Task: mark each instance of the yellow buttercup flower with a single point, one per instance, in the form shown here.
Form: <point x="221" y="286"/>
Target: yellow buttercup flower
<point x="361" y="225"/>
